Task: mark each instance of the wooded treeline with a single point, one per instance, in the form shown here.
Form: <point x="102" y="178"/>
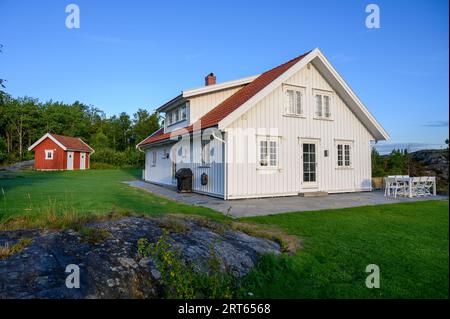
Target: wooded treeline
<point x="24" y="120"/>
<point x="398" y="162"/>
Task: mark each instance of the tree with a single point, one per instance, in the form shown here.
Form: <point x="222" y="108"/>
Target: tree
<point x="396" y="162"/>
<point x="125" y="130"/>
<point x="144" y="124"/>
<point x="378" y="169"/>
<point x="2" y="81"/>
<point x="99" y="141"/>
<point x="24" y="120"/>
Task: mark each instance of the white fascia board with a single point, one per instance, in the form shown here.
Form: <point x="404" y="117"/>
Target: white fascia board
<point x="92" y="150"/>
<point x="170" y="103"/>
<point x="138" y="144"/>
<point x="218" y="87"/>
<point x="269" y="88"/>
<point x="379" y="133"/>
<point x="43" y="138"/>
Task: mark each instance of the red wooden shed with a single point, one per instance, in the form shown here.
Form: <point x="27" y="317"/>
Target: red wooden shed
<point x="58" y="152"/>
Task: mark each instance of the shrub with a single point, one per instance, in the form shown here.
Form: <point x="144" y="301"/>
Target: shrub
<point x="181" y="280"/>
<point x="97" y="165"/>
<point x="109" y="158"/>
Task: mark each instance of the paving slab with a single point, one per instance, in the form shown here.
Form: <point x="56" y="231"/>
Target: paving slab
<point x="268" y="206"/>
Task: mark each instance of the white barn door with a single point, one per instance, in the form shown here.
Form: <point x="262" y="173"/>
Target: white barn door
<point x="70" y="160"/>
<point x="82" y="160"/>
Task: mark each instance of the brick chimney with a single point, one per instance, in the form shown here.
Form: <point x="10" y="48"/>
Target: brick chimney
<point x="210" y="79"/>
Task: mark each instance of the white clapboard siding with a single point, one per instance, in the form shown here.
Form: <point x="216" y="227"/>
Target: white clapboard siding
<point x="202" y="104"/>
<point x="162" y="172"/>
<point x="243" y="178"/>
<point x="215" y="170"/>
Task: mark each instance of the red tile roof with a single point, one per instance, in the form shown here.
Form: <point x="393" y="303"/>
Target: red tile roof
<point x="213" y="117"/>
<point x="72" y="143"/>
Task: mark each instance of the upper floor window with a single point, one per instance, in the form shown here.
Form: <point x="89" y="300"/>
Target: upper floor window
<point x="268" y="152"/>
<point x="48" y="154"/>
<point x="183" y="112"/>
<point x="343" y="155"/>
<point x="294" y="100"/>
<point x="323" y="105"/>
<point x="176" y="115"/>
<point x="169" y="118"/>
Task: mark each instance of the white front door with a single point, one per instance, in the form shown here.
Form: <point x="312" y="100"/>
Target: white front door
<point x="82" y="160"/>
<point x="69" y="160"/>
<point x="309" y="159"/>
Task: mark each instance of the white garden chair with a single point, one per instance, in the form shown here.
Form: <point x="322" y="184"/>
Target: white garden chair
<point x="428" y="184"/>
<point x="416" y="187"/>
<point x="395" y="185"/>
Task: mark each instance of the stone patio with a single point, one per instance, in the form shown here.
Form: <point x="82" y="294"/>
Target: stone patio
<point x="275" y="205"/>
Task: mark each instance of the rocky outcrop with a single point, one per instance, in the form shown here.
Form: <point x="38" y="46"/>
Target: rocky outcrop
<point x="433" y="162"/>
<point x="110" y="266"/>
<point x="18" y="166"/>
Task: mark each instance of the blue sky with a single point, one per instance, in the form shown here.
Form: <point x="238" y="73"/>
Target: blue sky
<point x="131" y="54"/>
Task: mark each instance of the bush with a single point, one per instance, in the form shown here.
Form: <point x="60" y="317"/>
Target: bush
<point x="108" y="158"/>
<point x="102" y="166"/>
<point x="181" y="280"/>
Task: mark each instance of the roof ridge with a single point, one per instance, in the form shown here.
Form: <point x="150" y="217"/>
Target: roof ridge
<point x="283" y="64"/>
<point x="233" y="102"/>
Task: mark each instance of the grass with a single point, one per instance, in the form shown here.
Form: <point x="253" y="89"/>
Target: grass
<point x="60" y="199"/>
<point x="7" y="251"/>
<point x="408" y="241"/>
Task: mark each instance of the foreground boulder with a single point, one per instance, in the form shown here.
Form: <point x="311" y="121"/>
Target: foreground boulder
<point x="107" y="256"/>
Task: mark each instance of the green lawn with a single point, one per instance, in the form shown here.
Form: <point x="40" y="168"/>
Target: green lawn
<point x="409" y="242"/>
<point x="99" y="192"/>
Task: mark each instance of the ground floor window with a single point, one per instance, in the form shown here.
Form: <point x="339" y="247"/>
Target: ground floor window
<point x="48" y="154"/>
<point x="268" y="152"/>
<point x="343" y="155"/>
<point x="154" y="158"/>
<point x="206" y="152"/>
<point x="174" y="162"/>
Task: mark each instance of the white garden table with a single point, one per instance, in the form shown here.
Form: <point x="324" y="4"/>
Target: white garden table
<point x="409" y="182"/>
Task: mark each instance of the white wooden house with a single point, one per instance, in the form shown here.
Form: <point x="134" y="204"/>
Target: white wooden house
<point x="294" y="129"/>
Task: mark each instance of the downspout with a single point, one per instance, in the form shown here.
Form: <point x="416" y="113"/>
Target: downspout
<point x="225" y="167"/>
<point x="225" y="163"/>
<point x="143" y="171"/>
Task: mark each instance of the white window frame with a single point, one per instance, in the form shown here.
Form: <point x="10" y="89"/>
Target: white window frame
<point x="183" y="112"/>
<point x="268" y="140"/>
<point x="344" y="162"/>
<point x="177" y="115"/>
<point x="205" y="152"/>
<point x="169" y="118"/>
<point x="293" y="110"/>
<point x="49" y="152"/>
<point x="322" y="94"/>
<point x="154" y="156"/>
